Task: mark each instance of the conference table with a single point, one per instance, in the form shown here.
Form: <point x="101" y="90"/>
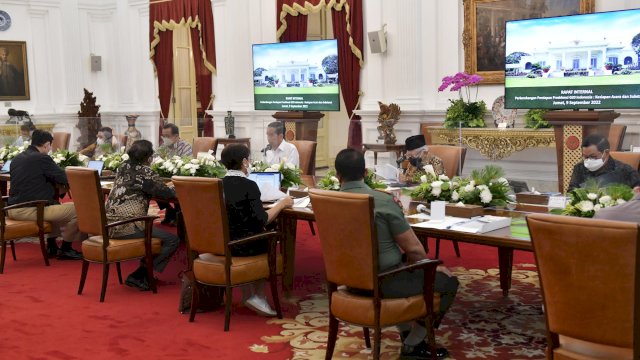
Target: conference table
<point x="506" y="240"/>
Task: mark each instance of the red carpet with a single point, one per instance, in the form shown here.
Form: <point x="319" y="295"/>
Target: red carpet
<point x="43" y="318"/>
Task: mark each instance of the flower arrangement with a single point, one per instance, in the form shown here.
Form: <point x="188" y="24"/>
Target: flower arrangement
<point x="462" y="111"/>
<point x="331" y="182"/>
<point x="8" y="152"/>
<point x="203" y="166"/>
<point x="114" y="160"/>
<point x="585" y="202"/>
<point x="485" y="187"/>
<point x="64" y="158"/>
<point x="290" y="173"/>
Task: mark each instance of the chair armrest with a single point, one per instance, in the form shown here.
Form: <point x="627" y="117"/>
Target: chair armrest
<point x="244" y="240"/>
<point x="26" y="204"/>
<point x="422" y="264"/>
<point x="138" y="218"/>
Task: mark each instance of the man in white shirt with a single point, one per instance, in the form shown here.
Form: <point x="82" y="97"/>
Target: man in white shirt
<point x="278" y="149"/>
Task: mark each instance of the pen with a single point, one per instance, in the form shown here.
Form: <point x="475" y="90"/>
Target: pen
<point x="463" y="222"/>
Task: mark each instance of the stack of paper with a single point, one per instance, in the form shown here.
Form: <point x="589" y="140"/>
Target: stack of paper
<point x="479" y="224"/>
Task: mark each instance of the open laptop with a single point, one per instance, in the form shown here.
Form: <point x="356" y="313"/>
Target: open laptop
<point x="96" y="164"/>
<point x="5" y="167"/>
<point x="268" y="183"/>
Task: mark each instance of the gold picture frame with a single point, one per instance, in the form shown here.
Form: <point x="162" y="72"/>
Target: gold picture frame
<point x="14" y="71"/>
<point x="484" y="55"/>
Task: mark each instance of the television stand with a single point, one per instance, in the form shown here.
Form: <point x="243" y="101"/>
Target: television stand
<point x="300" y="125"/>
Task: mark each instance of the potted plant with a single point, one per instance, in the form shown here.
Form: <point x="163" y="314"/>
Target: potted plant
<point x="534" y="119"/>
<point x="608" y="65"/>
<point x="546" y="68"/>
<point x="464" y="112"/>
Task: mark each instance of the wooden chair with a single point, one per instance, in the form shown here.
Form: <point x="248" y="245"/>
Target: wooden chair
<point x="630" y="158"/>
<point x="424" y="130"/>
<point x="11" y="230"/>
<point x="203" y="144"/>
<point x="350" y="256"/>
<point x="207" y="227"/>
<point x="453" y="161"/>
<point x="60" y="141"/>
<point x="590" y="286"/>
<point x="307" y="153"/>
<point x="616" y="136"/>
<point x="88" y="199"/>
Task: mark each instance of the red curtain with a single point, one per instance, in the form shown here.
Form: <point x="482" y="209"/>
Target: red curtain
<point x="161" y="48"/>
<point x="296" y="25"/>
<point x="349" y="65"/>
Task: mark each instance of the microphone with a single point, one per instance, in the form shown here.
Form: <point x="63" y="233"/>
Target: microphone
<point x="266" y="148"/>
<point x="423" y="209"/>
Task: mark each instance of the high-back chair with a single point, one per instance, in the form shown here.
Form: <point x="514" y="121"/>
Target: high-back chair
<point x="11" y="230"/>
<point x="590" y="286"/>
<point x="88" y="199"/>
<point x="207" y="226"/>
<point x="307" y="154"/>
<point x="616" y="136"/>
<point x="203" y="144"/>
<point x="60" y="141"/>
<point x="630" y="158"/>
<point x="453" y="160"/>
<point x="350" y="256"/>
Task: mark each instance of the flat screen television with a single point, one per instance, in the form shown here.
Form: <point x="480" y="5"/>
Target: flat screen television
<point x="296" y="76"/>
<point x="589" y="61"/>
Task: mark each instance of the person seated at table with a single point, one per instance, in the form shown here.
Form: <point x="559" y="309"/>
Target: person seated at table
<point x="395" y="237"/>
<point x="417" y="152"/>
<point x="172" y="146"/>
<point x="247" y="216"/>
<point x="26" y="130"/>
<point x="34" y="176"/>
<point x="134" y="186"/>
<point x="598" y="165"/>
<point x="278" y="148"/>
<point x="105" y="143"/>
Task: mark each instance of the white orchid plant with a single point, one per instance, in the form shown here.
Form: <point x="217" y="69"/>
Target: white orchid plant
<point x="64" y="158"/>
<point x="290" y="173"/>
<point x="8" y="152"/>
<point x="331" y="182"/>
<point x="587" y="201"/>
<point x="114" y="160"/>
<point x="205" y="165"/>
<point x="486" y="187"/>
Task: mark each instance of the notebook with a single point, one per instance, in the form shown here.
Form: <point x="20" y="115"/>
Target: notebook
<point x="5" y="167"/>
<point x="269" y="185"/>
<point x="97" y="165"/>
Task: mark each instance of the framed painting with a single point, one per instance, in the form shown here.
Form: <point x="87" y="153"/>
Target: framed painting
<point x="14" y="72"/>
<point x="484" y="29"/>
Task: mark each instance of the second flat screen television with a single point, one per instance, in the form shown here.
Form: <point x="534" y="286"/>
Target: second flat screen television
<point x="589" y="61"/>
<point x="296" y="76"/>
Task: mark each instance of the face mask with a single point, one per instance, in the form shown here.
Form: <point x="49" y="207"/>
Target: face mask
<point x="167" y="141"/>
<point x="593" y="164"/>
<point x="100" y="142"/>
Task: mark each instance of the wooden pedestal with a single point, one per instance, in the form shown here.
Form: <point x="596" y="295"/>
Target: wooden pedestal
<point x="300" y="125"/>
<point x="570" y="128"/>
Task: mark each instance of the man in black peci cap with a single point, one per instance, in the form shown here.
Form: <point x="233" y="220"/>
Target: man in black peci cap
<point x="419" y="157"/>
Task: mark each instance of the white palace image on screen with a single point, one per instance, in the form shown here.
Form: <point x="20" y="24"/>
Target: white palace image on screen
<point x="295" y="73"/>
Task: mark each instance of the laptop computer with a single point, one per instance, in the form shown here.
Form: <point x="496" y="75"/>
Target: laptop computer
<point x="268" y="183"/>
<point x="96" y="164"/>
<point x="6" y="167"/>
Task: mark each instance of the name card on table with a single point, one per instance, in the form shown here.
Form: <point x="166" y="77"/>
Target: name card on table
<point x="557" y="202"/>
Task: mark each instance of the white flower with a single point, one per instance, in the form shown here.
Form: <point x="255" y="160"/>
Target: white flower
<point x="455" y="196"/>
<point x="585" y="206"/>
<point x="482" y="187"/>
<point x="436" y="191"/>
<point x="503" y="181"/>
<point x="592" y="196"/>
<point x="436" y="184"/>
<point x="335" y="180"/>
<point x="423" y="178"/>
<point x="472" y="183"/>
<point x="82" y="158"/>
<point x="468" y="188"/>
<point x="485" y="196"/>
<point x="194" y="161"/>
<point x="443" y="177"/>
<point x="125" y="157"/>
<point x="605" y="199"/>
<point x="193" y="171"/>
<point x="597" y="207"/>
<point x="621" y="201"/>
<point x="289" y="166"/>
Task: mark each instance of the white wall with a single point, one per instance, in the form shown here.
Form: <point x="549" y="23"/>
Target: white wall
<point x="61" y="35"/>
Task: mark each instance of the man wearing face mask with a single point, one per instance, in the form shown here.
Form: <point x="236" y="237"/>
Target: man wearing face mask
<point x="418" y="156"/>
<point x="598" y="165"/>
<point x="172" y="145"/>
<point x="105" y="143"/>
<point x="34" y="176"/>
